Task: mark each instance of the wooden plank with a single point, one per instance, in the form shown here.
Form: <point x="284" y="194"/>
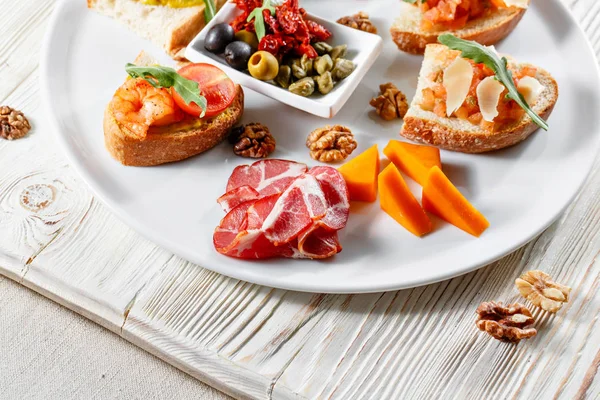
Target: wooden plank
<point x="23" y="26"/>
<point x="254" y="327"/>
<point x="29" y="216"/>
<point x="256" y="342"/>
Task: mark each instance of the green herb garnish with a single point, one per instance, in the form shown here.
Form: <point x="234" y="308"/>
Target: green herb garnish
<point x="410" y="1"/>
<point x="209" y="10"/>
<point x="482" y="54"/>
<point x="259" y="19"/>
<point x="165" y="77"/>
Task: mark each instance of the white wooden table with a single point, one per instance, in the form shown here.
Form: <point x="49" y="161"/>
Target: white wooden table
<point x="256" y="342"/>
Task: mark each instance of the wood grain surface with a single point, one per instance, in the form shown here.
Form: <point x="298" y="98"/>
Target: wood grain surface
<point x="256" y="342"/>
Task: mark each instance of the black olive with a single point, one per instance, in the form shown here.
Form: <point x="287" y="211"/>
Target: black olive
<point x="218" y="38"/>
<point x="237" y="54"/>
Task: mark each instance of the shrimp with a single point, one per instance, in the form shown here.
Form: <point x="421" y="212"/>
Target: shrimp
<point x="137" y="105"/>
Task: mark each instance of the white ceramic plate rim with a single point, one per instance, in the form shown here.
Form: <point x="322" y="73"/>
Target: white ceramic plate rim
<point x="246" y="275"/>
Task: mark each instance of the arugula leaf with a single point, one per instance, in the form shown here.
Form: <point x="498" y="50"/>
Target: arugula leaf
<point x="210" y="9"/>
<point x="165" y="77"/>
<point x="259" y="19"/>
<point x="410" y="1"/>
<point x="482" y="54"/>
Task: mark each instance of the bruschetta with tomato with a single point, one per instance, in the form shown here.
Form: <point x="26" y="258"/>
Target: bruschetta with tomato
<point x="484" y="21"/>
<point x="160" y="115"/>
<point x="471" y="99"/>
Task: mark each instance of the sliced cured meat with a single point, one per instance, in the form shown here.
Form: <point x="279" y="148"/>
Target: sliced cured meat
<point x="237" y="234"/>
<point x="302" y="203"/>
<point x="336" y="194"/>
<point x="254" y="245"/>
<point x="266" y="176"/>
<point x="230" y="226"/>
<point x="260" y="210"/>
<point x="319" y="242"/>
<point x="278" y="208"/>
<point x="237" y="196"/>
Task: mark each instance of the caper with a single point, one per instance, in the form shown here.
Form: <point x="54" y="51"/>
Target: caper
<point x="324" y="82"/>
<point x="263" y="65"/>
<point x="342" y="68"/>
<point x="297" y="70"/>
<point x="322" y="48"/>
<point x="307" y="65"/>
<point x="248" y="37"/>
<point x="304" y="87"/>
<point x="284" y="77"/>
<point x="338" y="51"/>
<point x="323" y="64"/>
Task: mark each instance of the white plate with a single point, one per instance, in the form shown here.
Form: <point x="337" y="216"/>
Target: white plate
<point x="521" y="190"/>
<point x="363" y="50"/>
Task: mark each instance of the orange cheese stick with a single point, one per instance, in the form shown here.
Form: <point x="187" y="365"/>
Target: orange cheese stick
<point x="413" y="159"/>
<point x="442" y="198"/>
<point x="397" y="200"/>
<point x="360" y="175"/>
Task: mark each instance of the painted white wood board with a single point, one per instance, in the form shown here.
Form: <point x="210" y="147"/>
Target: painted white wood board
<point x="256" y="342"/>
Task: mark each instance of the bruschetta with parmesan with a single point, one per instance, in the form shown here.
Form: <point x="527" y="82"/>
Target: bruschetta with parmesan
<point x="472" y="100"/>
<point x="484" y="21"/>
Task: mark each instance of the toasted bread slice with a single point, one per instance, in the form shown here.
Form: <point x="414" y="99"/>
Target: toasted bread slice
<point x="409" y="37"/>
<point x="164" y="144"/>
<point x="170" y="28"/>
<point x="460" y="135"/>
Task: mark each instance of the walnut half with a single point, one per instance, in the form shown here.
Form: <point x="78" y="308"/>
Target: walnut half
<point x="252" y="140"/>
<point x="331" y="143"/>
<point x="508" y="324"/>
<point x="358" y="21"/>
<point x="391" y="102"/>
<point x="13" y="123"/>
<point x="538" y="287"/>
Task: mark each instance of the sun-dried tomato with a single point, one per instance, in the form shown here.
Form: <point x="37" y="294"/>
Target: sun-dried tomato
<point x="306" y="49"/>
<point x="271" y="22"/>
<point x="318" y="31"/>
<point x="289" y="19"/>
<point x="286" y="31"/>
<point x="271" y="43"/>
<point x="246" y="6"/>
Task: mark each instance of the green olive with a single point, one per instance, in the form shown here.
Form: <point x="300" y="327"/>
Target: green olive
<point x="248" y="37"/>
<point x="263" y="65"/>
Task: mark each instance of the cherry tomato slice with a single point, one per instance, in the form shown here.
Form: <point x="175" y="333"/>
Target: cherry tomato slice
<point x="214" y="84"/>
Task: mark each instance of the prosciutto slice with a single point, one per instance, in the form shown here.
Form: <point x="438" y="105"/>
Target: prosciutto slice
<point x="266" y="176"/>
<point x="237" y="196"/>
<point x="302" y="203"/>
<point x="278" y="208"/>
<point x="239" y="235"/>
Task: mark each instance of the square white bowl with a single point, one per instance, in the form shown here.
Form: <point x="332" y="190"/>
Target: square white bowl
<point x="363" y="50"/>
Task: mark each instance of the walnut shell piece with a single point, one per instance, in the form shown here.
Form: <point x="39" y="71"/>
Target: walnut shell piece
<point x="358" y="21"/>
<point x="509" y="323"/>
<point x="538" y="287"/>
<point x="391" y="102"/>
<point x="13" y="123"/>
<point x="252" y="140"/>
<point x="331" y="143"/>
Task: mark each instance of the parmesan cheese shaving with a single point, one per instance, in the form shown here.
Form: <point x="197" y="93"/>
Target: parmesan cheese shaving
<point x="530" y="88"/>
<point x="517" y="3"/>
<point x="488" y="97"/>
<point x="457" y="81"/>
